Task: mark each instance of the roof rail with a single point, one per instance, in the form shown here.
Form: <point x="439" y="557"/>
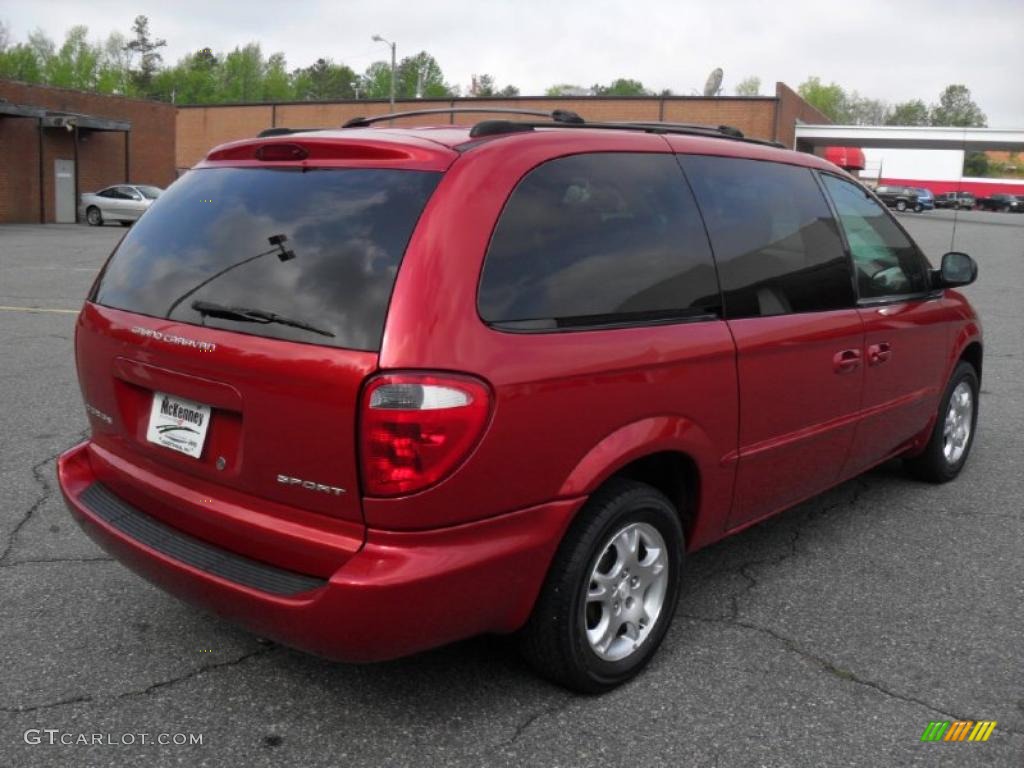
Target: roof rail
<point x="498" y="127"/>
<point x="558" y="115"/>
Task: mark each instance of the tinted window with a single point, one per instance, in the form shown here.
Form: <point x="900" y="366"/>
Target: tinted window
<point x="215" y="237"/>
<point x="109" y="192"/>
<point x="886" y="261"/>
<point x="150" y="192"/>
<point x="774" y="238"/>
<point x="598" y="238"/>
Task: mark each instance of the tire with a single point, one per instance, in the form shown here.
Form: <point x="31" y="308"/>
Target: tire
<point x="918" y="208"/>
<point x="956" y="206"/>
<point x="560" y="640"/>
<point x="901" y="205"/>
<point x="937" y="463"/>
<point x="125" y="223"/>
<point x="93" y="216"/>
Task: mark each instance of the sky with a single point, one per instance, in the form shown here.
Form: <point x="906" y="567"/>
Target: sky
<point x="879" y="48"/>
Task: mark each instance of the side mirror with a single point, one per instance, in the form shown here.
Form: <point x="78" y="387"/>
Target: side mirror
<point x="957" y="269"/>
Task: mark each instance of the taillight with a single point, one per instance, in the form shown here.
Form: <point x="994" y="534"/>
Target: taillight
<point x="417" y="428"/>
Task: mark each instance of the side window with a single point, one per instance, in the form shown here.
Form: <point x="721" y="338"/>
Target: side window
<point x="774" y="238"/>
<point x="108" y="192"/>
<point x="126" y="193"/>
<point x="886" y="261"/>
<point x="598" y="238"/>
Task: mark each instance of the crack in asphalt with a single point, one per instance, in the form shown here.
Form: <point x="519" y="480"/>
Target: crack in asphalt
<point x="790" y="644"/>
<point x="522" y="727"/>
<point x="149" y="689"/>
<point x="42" y="479"/>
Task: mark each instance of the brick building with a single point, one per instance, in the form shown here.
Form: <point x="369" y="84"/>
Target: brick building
<point x="766" y="117"/>
<point x="56" y="143"/>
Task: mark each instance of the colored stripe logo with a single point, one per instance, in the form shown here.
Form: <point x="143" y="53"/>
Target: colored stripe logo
<point x="958" y="730"/>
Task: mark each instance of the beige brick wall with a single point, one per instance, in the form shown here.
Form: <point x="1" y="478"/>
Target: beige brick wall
<point x="202" y="128"/>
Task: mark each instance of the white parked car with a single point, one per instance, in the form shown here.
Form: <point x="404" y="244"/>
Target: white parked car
<point x="121" y="202"/>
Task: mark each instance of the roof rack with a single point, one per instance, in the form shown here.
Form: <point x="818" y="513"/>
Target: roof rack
<point x="498" y="127"/>
<point x="559" y="116"/>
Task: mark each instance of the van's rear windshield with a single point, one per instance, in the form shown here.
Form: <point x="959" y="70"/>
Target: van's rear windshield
<point x="303" y="255"/>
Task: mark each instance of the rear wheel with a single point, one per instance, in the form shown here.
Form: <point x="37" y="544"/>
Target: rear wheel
<point x="611" y="591"/>
<point x="93" y="216"/>
<point x="953" y="434"/>
<point x="918" y="208"/>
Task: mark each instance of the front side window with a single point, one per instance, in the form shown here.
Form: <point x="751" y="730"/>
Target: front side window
<point x="774" y="238"/>
<point x="598" y="239"/>
<point x="886" y="261"/>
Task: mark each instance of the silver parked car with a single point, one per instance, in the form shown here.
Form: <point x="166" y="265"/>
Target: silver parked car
<point x="121" y="202"/>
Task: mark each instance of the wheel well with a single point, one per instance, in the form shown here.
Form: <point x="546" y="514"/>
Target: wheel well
<point x="972" y="354"/>
<point x="674" y="474"/>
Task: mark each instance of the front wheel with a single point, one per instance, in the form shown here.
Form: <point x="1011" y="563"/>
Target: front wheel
<point x="953" y="434"/>
<point x="93" y="216"/>
<point x="918" y="208"/>
<point x="901" y="205"/>
<point x="611" y="592"/>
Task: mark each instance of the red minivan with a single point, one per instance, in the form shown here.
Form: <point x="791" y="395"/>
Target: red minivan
<point x="373" y="390"/>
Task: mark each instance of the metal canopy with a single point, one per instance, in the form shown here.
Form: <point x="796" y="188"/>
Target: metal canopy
<point x="91" y="122"/>
<point x="908" y="137"/>
<point x="20" y="110"/>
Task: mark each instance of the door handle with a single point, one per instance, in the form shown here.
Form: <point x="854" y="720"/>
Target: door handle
<point x="879" y="353"/>
<point x="846" y="360"/>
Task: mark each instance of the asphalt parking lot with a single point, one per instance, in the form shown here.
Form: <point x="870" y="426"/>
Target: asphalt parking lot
<point x="829" y="636"/>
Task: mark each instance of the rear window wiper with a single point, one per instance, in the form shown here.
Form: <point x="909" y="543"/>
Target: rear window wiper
<point x="247" y="315"/>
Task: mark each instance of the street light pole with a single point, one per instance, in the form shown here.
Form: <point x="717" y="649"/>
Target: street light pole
<point x="379" y="39"/>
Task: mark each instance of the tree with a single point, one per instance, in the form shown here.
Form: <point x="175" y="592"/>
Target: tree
<point x="976" y="164"/>
<point x="567" y="89"/>
<point x="829" y="99"/>
<point x="420" y="76"/>
<point x="956" y="108"/>
<point x="913" y="112"/>
<point x="76" y="64"/>
<point x="860" y="110"/>
<point x="21" y="62"/>
<point x="749" y="86"/>
<point x="377" y="80"/>
<point x="482" y="86"/>
<point x="509" y="92"/>
<point x="325" y="80"/>
<point x="243" y="74"/>
<point x="276" y="84"/>
<point x="621" y="87"/>
<point x="146" y="47"/>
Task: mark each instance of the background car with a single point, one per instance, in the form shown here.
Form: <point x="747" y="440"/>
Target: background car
<point x="956" y="200"/>
<point x="925" y="199"/>
<point x="123" y="203"/>
<point x="900" y="198"/>
<point x="1001" y="202"/>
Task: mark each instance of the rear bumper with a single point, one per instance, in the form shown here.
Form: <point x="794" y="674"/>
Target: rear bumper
<point x="402" y="592"/>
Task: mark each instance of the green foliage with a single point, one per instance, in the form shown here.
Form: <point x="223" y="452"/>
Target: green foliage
<point x="621" y="87"/>
<point x="829" y="99"/>
<point x="976" y="164"/>
<point x="749" y="86"/>
<point x="484" y="86"/>
<point x="566" y="89"/>
<point x="914" y="112"/>
<point x="21" y="62"/>
<point x="956" y="107"/>
<point x="149" y="58"/>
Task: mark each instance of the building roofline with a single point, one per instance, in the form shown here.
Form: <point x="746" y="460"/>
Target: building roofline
<point x="453" y="99"/>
